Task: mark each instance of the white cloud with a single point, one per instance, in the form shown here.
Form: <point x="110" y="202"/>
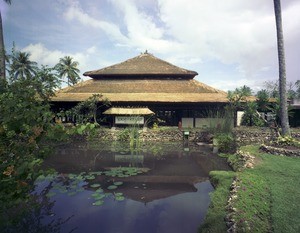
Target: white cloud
<point x="92" y="50"/>
<point x="143" y="31"/>
<point x="140" y="33"/>
<point x="44" y="56"/>
<point x="222" y="30"/>
<point x="74" y="12"/>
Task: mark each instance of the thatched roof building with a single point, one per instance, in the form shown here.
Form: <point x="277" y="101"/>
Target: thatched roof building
<point x="145" y="80"/>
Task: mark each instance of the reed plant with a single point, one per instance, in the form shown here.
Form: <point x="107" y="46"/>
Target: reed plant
<point x="220" y="121"/>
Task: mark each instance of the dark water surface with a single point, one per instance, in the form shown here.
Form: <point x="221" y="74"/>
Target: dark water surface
<point x="108" y="188"/>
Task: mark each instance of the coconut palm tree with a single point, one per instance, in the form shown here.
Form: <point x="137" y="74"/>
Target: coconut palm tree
<point x="68" y="68"/>
<point x="2" y="50"/>
<point x="282" y="71"/>
<point x="21" y="67"/>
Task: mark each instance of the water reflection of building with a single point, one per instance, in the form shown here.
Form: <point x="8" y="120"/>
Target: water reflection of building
<point x="169" y="174"/>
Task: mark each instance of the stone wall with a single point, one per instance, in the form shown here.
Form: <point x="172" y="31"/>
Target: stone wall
<point x="243" y="135"/>
<point x="280" y="151"/>
<point x="157" y="135"/>
<point x="248" y="135"/>
<point x="173" y="134"/>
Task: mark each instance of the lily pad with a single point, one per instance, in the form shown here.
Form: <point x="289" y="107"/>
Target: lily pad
<point x="80" y="177"/>
<point x="111" y="187"/>
<point x="95" y="173"/>
<point x="118" y="183"/>
<point x="91" y="177"/>
<point x="72" y="176"/>
<point x="119" y="198"/>
<point x="99" y="190"/>
<point x="98" y="203"/>
<point x="98" y="196"/>
<point x="118" y="194"/>
<point x="95" y="185"/>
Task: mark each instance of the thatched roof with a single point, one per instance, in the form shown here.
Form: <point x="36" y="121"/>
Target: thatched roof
<point x="128" y="111"/>
<point x="142" y="90"/>
<point x="143" y="79"/>
<point x="145" y="65"/>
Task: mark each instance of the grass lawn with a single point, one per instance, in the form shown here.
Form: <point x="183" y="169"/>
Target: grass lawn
<point x="267" y="198"/>
<point x="214" y="221"/>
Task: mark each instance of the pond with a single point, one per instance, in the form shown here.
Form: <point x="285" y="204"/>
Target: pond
<point x="110" y="188"/>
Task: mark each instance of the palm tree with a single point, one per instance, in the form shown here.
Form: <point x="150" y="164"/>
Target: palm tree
<point x="21" y="66"/>
<point x="68" y="68"/>
<point x="262" y="100"/>
<point x="2" y="50"/>
<point x="282" y="71"/>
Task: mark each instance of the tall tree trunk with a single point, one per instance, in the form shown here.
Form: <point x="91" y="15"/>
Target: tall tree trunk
<point x="2" y="51"/>
<point x="282" y="71"/>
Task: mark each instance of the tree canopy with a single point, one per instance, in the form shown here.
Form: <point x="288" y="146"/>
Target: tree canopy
<point x="67" y="67"/>
<point x="21" y="67"/>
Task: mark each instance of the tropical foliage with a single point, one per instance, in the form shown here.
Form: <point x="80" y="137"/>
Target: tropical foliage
<point x="239" y="100"/>
<point x="69" y="69"/>
<point x="21" y="67"/>
<point x="251" y="116"/>
<point x="293" y="89"/>
<point x="86" y="111"/>
<point x="266" y="102"/>
<point x="24" y="120"/>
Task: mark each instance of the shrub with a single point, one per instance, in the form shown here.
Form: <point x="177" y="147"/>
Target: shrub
<point x="123" y="135"/>
<point x="225" y="142"/>
<point x="57" y="133"/>
<point x="287" y="141"/>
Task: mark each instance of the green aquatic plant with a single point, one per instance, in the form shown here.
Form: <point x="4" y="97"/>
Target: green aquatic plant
<point x="98" y="203"/>
<point x="95" y="185"/>
<point x="111" y="187"/>
<point x="119" y="196"/>
<point x="71" y="184"/>
<point x="118" y="183"/>
<point x="124" y="171"/>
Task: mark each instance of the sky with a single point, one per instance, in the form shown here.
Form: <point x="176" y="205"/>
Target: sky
<point x="228" y="43"/>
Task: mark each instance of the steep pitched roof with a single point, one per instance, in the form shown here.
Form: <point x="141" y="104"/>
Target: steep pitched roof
<point x="145" y="65"/>
<point x="143" y="90"/>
